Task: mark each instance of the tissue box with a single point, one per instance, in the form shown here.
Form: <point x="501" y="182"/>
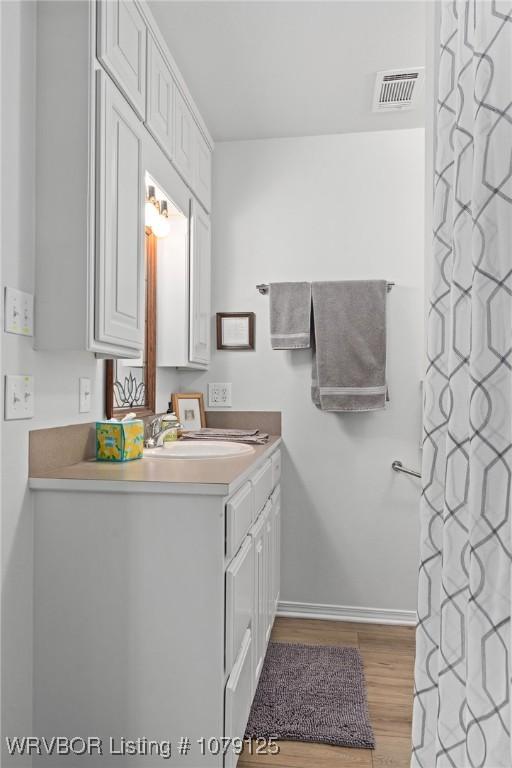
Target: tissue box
<point x="119" y="441"/>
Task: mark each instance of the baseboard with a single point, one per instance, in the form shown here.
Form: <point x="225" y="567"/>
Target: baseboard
<point x="346" y="613"/>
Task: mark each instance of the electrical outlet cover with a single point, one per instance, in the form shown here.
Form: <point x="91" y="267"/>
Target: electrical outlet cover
<point x="18" y="312"/>
<point x="19" y="397"/>
<point x="219" y="395"/>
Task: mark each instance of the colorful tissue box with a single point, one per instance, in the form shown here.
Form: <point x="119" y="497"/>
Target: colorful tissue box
<point x="119" y="441"/>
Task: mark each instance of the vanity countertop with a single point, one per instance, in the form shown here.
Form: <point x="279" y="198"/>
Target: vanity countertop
<point x="212" y="476"/>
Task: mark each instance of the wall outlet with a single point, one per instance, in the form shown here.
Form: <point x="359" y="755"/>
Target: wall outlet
<point x="85" y="395"/>
<point x="219" y="395"/>
<point x="19" y="397"/>
<point x="18" y="312"/>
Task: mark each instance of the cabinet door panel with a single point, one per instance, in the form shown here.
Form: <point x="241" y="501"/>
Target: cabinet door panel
<point x="200" y="269"/>
<point x="269" y="573"/>
<point x="122" y="48"/>
<point x="184" y="138"/>
<point x="120" y="228"/>
<point x="238" y="698"/>
<point x="276" y="537"/>
<point x="203" y="171"/>
<point x="260" y="536"/>
<point x="239" y="598"/>
<point x="160" y="102"/>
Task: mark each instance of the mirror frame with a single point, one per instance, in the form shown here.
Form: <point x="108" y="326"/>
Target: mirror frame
<point x="149" y="408"/>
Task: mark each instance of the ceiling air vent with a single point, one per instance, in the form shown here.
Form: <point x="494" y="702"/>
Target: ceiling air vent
<point x="397" y="89"/>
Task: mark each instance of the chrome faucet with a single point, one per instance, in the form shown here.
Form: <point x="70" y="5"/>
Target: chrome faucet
<point x="152" y="430"/>
<point x="154" y="434"/>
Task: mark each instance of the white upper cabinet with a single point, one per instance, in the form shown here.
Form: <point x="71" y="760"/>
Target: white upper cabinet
<point x="160" y="99"/>
<point x="200" y="279"/>
<point x="121" y="48"/>
<point x="184" y="138"/>
<point x="120" y="226"/>
<point x="110" y="99"/>
<point x="203" y="171"/>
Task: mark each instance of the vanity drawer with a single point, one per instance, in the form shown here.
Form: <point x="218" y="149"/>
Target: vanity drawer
<point x="276" y="468"/>
<point x="239" y="599"/>
<point x="262" y="485"/>
<point x="238" y="698"/>
<point x="239" y="516"/>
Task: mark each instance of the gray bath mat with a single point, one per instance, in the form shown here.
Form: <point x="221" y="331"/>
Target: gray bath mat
<point x="312" y="693"/>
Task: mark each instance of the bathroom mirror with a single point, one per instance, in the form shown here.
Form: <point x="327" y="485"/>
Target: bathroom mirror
<point x="131" y="383"/>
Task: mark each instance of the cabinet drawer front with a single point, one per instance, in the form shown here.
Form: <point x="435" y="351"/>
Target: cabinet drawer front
<point x="122" y="49"/>
<point x="238" y="697"/>
<point x="239" y="515"/>
<point x="239" y="599"/>
<point x="160" y="99"/>
<point x="262" y="484"/>
<point x="276" y="468"/>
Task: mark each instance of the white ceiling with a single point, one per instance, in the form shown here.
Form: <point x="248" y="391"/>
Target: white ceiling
<point x="270" y="68"/>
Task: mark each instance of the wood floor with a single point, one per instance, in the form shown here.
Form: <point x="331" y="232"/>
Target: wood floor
<point x="388" y="655"/>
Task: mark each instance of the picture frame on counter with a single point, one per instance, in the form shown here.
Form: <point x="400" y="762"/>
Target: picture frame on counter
<point x="189" y="408"/>
<point x="235" y="330"/>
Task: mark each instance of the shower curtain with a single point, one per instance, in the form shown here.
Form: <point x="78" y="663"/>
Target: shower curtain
<point x="462" y="677"/>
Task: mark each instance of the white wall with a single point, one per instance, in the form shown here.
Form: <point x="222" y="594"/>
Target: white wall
<point x="330" y="208"/>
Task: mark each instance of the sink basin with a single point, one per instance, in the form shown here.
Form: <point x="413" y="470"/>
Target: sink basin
<point x="199" y="449"/>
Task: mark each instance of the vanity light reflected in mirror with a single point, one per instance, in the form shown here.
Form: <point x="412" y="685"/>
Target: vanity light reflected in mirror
<point x="151" y="210"/>
<point x="156" y="214"/>
<point x="162" y="225"/>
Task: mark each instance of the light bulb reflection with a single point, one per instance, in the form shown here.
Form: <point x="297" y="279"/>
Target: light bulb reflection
<point x="161" y="227"/>
<point x="151" y="214"/>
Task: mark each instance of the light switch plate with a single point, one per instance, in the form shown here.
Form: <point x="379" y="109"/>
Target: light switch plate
<point x="219" y="395"/>
<point x="85" y="395"/>
<point x="19" y="397"/>
<point x="18" y="312"/>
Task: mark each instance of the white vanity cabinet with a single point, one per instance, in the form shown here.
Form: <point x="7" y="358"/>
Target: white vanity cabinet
<point x="153" y="608"/>
<point x="121" y="48"/>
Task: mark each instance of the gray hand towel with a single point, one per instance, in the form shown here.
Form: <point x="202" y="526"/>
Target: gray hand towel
<point x="349" y="362"/>
<point x="290" y="315"/>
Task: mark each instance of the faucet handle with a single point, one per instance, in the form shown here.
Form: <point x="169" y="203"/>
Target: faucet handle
<point x="152" y="428"/>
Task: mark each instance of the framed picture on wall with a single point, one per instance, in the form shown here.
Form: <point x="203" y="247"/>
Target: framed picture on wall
<point x="189" y="408"/>
<point x="235" y="330"/>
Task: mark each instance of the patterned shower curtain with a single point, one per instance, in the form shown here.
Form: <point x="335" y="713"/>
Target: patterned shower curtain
<point x="462" y="678"/>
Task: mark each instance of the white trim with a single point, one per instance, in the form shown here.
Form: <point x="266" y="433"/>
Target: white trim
<point x="346" y="613"/>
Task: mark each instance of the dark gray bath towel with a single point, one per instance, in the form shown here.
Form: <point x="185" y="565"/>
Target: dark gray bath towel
<point x="290" y="315"/>
<point x="349" y="362"/>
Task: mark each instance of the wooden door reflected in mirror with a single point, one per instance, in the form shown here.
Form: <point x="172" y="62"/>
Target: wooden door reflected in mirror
<point x="131" y="384"/>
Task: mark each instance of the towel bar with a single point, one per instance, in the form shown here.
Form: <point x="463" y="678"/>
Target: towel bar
<point x="263" y="287"/>
<point x="399" y="467"/>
